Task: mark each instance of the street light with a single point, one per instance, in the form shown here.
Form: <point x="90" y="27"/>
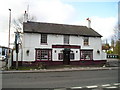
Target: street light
<point x="9" y="28"/>
<point x="8" y="51"/>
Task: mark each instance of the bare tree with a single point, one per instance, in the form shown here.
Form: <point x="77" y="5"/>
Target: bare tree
<point x="116" y="40"/>
<point x="18" y="23"/>
<point x="116" y="33"/>
<point x="18" y="26"/>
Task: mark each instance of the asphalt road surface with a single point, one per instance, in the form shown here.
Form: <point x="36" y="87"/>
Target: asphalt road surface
<point x="59" y="79"/>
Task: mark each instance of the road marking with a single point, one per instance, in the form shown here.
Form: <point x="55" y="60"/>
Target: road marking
<point x="95" y="87"/>
<point x="60" y="89"/>
<point x="92" y="86"/>
<point x="116" y="84"/>
<point x="76" y="87"/>
<point x="106" y="85"/>
<point x="111" y="87"/>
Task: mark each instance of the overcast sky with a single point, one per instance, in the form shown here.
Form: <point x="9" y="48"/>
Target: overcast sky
<point x="103" y="14"/>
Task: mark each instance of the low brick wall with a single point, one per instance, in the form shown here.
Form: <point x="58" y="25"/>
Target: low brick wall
<point x="51" y="63"/>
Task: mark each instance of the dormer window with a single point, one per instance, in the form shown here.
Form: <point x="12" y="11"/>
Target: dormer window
<point x="43" y="38"/>
<point x="66" y="39"/>
<point x="86" y="41"/>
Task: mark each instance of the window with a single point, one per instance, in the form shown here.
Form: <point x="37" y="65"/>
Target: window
<point x="86" y="54"/>
<point x="86" y="40"/>
<point x="60" y="56"/>
<point x="43" y="54"/>
<point x="44" y="38"/>
<point x="66" y="39"/>
<point x="72" y="56"/>
<point x="3" y="51"/>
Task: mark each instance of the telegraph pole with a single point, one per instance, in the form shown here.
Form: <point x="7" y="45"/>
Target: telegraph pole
<point x="17" y="36"/>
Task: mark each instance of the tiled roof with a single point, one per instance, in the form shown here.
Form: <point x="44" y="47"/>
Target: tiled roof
<point x="52" y="28"/>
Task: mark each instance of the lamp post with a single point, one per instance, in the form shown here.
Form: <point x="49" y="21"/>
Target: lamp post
<point x="9" y="27"/>
<point x="8" y="51"/>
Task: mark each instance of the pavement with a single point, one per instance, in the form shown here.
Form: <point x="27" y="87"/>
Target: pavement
<point x="59" y="70"/>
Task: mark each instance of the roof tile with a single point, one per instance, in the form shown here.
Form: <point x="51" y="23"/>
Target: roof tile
<point x="52" y="28"/>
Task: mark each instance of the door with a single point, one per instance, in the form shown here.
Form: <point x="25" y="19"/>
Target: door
<point x="66" y="56"/>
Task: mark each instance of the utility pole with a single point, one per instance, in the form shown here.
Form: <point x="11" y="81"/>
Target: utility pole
<point x="17" y="36"/>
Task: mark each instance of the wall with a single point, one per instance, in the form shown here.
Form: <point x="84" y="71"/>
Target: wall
<point x="32" y="41"/>
<point x="0" y="53"/>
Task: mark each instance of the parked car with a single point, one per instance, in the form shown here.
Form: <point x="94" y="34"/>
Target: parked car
<point x="2" y="58"/>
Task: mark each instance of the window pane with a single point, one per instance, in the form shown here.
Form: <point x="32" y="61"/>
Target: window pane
<point x="43" y="55"/>
<point x="43" y="38"/>
<point x="86" y="40"/>
<point x="3" y="51"/>
<point x="60" y="56"/>
<point x="38" y="54"/>
<point x="66" y="39"/>
<point x="71" y="55"/>
<point x="86" y="55"/>
<point x="50" y="55"/>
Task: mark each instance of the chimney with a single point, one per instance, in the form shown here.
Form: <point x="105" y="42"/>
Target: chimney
<point x="25" y="16"/>
<point x="89" y="22"/>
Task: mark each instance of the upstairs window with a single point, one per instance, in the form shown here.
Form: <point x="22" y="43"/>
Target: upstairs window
<point x="86" y="41"/>
<point x="43" y="38"/>
<point x="66" y="39"/>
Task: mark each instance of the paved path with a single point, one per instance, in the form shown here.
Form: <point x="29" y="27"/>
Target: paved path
<point x="59" y="70"/>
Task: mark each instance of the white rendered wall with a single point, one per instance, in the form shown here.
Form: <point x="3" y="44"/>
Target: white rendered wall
<point x="0" y="52"/>
<point x="32" y="41"/>
<point x="55" y="55"/>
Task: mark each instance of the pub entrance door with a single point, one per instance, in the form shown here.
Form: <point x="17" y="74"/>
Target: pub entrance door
<point x="66" y="56"/>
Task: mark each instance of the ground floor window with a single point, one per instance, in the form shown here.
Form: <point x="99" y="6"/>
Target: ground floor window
<point x="3" y="51"/>
<point x="86" y="54"/>
<point x="43" y="54"/>
<point x="60" y="56"/>
<point x="72" y="56"/>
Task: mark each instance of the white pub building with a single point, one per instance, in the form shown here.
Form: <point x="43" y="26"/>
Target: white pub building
<point x="57" y="44"/>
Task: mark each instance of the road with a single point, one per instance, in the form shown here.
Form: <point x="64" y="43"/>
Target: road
<point x="59" y="79"/>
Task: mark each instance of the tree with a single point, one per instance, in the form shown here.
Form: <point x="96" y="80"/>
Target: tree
<point x="115" y="36"/>
<point x="117" y="48"/>
<point x="18" y="23"/>
<point x="116" y="40"/>
<point x="106" y="47"/>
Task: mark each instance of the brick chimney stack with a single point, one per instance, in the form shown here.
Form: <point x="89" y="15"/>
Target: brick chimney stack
<point x="89" y="22"/>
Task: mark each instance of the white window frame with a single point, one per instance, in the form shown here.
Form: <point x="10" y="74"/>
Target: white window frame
<point x="43" y="38"/>
<point x="66" y="39"/>
<point x="86" y="41"/>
